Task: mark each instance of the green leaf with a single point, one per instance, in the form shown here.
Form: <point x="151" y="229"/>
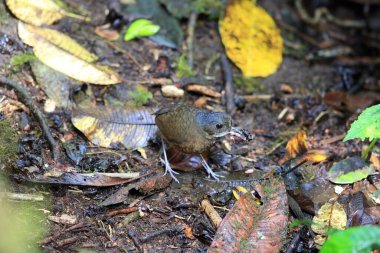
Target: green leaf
<point x="355" y="239"/>
<point x="140" y="96"/>
<point x="349" y="170"/>
<point x="366" y="126"/>
<point x="141" y="28"/>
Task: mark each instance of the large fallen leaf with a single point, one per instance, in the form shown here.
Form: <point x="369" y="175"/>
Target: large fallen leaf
<point x="111" y="126"/>
<point x="36" y="12"/>
<point x="249" y="227"/>
<point x="251" y="38"/>
<point x="63" y="54"/>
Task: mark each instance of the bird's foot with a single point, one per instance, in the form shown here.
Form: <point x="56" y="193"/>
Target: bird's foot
<point x="210" y="172"/>
<point x="168" y="168"/>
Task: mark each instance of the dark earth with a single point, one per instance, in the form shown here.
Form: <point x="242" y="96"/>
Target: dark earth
<point x="319" y="94"/>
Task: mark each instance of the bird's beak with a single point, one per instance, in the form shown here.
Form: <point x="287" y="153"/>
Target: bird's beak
<point x="241" y="133"/>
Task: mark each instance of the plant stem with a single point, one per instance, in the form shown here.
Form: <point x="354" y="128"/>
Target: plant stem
<point x="366" y="152"/>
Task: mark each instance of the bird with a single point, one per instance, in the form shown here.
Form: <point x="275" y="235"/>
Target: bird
<point x="193" y="130"/>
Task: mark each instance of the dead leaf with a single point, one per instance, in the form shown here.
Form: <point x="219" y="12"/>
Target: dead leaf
<point x="344" y="101"/>
<point x="296" y="145"/>
<point x="72" y="178"/>
<point x="31" y="35"/>
<point x="249" y="227"/>
<point x="36" y="12"/>
<point x="110" y="126"/>
<point x="251" y="38"/>
<point x="329" y="216"/>
<point x="63" y="54"/>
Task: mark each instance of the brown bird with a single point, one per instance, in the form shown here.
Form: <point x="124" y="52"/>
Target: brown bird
<point x="193" y="131"/>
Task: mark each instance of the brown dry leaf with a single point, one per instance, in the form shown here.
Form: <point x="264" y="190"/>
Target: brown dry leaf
<point x="251" y="38"/>
<point x="111" y="126"/>
<point x="329" y="216"/>
<point x="36" y="12"/>
<point x="63" y="54"/>
<point x="295" y="146"/>
<point x="249" y="227"/>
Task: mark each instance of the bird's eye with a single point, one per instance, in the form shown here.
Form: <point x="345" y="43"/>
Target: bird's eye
<point x="219" y="126"/>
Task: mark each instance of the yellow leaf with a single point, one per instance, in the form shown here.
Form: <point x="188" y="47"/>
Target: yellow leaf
<point x="297" y="145"/>
<point x="36" y="12"/>
<point x="251" y="38"/>
<point x="65" y="56"/>
<point x="112" y="126"/>
<point x="31" y="35"/>
<point x="329" y="216"/>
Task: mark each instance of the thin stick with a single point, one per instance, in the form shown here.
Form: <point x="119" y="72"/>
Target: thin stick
<point x="27" y="99"/>
<point x="190" y="38"/>
<point x="229" y="84"/>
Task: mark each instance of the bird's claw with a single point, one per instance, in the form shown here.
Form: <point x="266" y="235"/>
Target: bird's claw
<point x="210" y="172"/>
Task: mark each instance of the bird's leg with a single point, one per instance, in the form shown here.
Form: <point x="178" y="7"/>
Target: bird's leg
<point x="209" y="170"/>
<point x="165" y="161"/>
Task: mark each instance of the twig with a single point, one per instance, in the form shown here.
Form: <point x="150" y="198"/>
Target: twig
<point x="229" y="84"/>
<point x="27" y="99"/>
<point x="170" y="231"/>
<point x="122" y="211"/>
<point x="323" y="12"/>
<point x="190" y="38"/>
<point x="125" y="52"/>
<point x="23" y="196"/>
<point x="211" y="213"/>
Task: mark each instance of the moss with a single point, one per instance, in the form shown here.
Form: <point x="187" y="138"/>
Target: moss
<point x="9" y="143"/>
<point x="247" y="84"/>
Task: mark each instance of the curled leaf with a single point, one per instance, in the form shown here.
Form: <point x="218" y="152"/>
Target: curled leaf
<point x="251" y="38"/>
<point x="111" y="126"/>
<point x="141" y="28"/>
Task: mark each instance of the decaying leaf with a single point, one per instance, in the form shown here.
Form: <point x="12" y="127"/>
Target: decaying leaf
<point x="251" y="38"/>
<point x="249" y="227"/>
<point x="112" y="126"/>
<point x="329" y="216"/>
<point x="63" y="54"/>
<point x="36" y="12"/>
<point x="350" y="170"/>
